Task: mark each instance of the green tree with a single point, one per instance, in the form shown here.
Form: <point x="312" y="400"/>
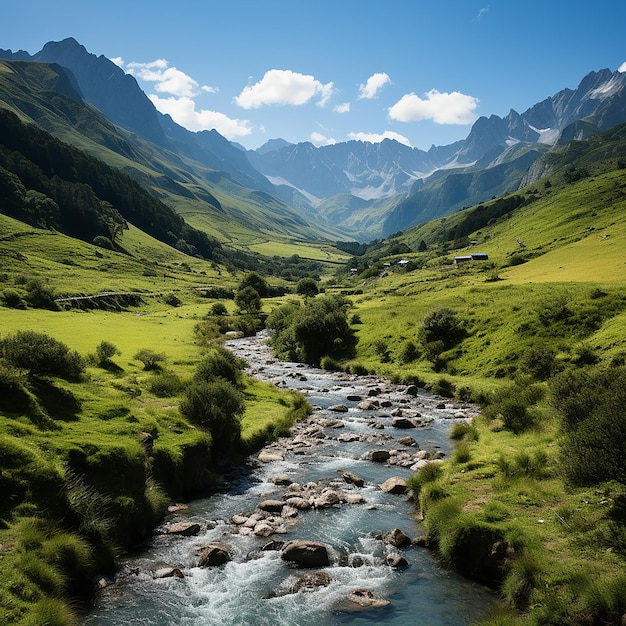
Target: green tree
<point x="257" y="282"/>
<point x="248" y="300"/>
<point x="151" y="360"/>
<point x="441" y="325"/>
<point x="307" y="287"/>
<point x="318" y="328"/>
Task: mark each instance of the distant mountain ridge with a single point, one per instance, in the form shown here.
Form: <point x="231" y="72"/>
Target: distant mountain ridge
<point x="374" y="172"/>
<point x="355" y="189"/>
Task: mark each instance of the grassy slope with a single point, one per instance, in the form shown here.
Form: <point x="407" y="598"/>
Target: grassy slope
<point x="564" y="568"/>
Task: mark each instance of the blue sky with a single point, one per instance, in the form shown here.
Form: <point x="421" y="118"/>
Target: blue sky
<point x="328" y="71"/>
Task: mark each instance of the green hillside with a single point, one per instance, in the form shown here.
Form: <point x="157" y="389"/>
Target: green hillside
<point x="208" y="199"/>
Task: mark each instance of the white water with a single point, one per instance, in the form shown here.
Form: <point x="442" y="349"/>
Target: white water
<point x="251" y="589"/>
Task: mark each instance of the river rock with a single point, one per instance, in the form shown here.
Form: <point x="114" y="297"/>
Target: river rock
<point x="354" y="398"/>
<point x="409" y="442"/>
<point x="311" y="581"/>
<point x="167" y="572"/>
<point x="282" y="480"/>
<point x="328" y="498"/>
<point x="396" y="538"/>
<point x="395" y="559"/>
<point x="411" y="390"/>
<point x="351" y="478"/>
<point x="299" y="503"/>
<point x="395" y="485"/>
<point x="365" y="599"/>
<point x="402" y="422"/>
<point x="177" y="508"/>
<point x="267" y="456"/>
<point x="368" y="405"/>
<point x="213" y="556"/>
<point x="186" y="529"/>
<point x="305" y="553"/>
<point x="338" y="408"/>
<point x="379" y="456"/>
<point x="271" y="506"/>
<point x="348" y="437"/>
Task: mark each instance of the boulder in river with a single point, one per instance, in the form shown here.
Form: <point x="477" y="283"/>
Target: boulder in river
<point x="397" y="538"/>
<point x="351" y="478"/>
<point x="213" y="556"/>
<point x="395" y="559"/>
<point x="167" y="572"/>
<point x="379" y="456"/>
<point x="395" y="485"/>
<point x="338" y="408"/>
<point x="364" y="599"/>
<point x="402" y="422"/>
<point x="186" y="529"/>
<point x="305" y="553"/>
<point x="271" y="506"/>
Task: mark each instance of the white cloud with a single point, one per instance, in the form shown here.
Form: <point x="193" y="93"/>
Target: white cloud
<point x="482" y="12"/>
<point x="622" y="67"/>
<point x="284" y="87"/>
<point x="342" y="108"/>
<point x="183" y="112"/>
<point x="118" y="61"/>
<point x="378" y="137"/>
<point x="373" y="85"/>
<point x="320" y="140"/>
<point x="441" y="108"/>
<point x="169" y="80"/>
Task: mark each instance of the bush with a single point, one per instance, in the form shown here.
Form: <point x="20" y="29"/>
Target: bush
<point x="219" y="309"/>
<point x="248" y="300"/>
<point x="40" y="296"/>
<point x="591" y="408"/>
<point x="149" y="358"/>
<point x="216" y="406"/>
<point x="105" y="351"/>
<point x="165" y="384"/>
<point x="41" y="355"/>
<point x="13" y="299"/>
<point x="410" y="352"/>
<point x="539" y="361"/>
<point x="441" y="325"/>
<point x="221" y="363"/>
<point x="308" y="332"/>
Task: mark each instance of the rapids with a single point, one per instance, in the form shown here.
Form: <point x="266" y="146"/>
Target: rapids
<point x="256" y="587"/>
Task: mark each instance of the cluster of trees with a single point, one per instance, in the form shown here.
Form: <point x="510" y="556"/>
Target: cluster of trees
<point x="48" y="183"/>
<point x="316" y="328"/>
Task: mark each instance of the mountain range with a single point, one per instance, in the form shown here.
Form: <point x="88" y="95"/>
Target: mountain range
<point x="350" y="190"/>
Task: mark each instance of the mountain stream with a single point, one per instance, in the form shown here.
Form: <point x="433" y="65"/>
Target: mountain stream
<point x="323" y="461"/>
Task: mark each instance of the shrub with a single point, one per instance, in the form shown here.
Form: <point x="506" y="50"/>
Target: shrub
<point x="307" y="287"/>
<point x="40" y="296"/>
<point x="539" y="361"/>
<point x="330" y="364"/>
<point x="149" y="358"/>
<point x="41" y="355"/>
<point x="221" y="363"/>
<point x="105" y="351"/>
<point x="441" y="325"/>
<point x="591" y="407"/>
<point x="444" y="387"/>
<point x="248" y="300"/>
<point x="172" y="300"/>
<point x="13" y="299"/>
<point x="219" y="309"/>
<point x="318" y="328"/>
<point x="216" y="406"/>
<point x="165" y="384"/>
<point x="410" y="352"/>
<point x="426" y="474"/>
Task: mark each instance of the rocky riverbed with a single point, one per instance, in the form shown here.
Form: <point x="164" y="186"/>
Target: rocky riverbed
<point x="317" y="526"/>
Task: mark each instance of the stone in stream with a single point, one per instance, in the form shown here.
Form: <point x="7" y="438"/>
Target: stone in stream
<point x="379" y="456"/>
<point x="271" y="506"/>
<point x="186" y="529"/>
<point x="368" y="405"/>
<point x="305" y="553"/>
<point x="362" y="599"/>
<point x="411" y="390"/>
<point x="282" y="480"/>
<point x="338" y="408"/>
<point x="395" y="559"/>
<point x="409" y="442"/>
<point x="397" y="538"/>
<point x="213" y="556"/>
<point x="167" y="572"/>
<point x="395" y="485"/>
<point x="402" y="422"/>
<point x="351" y="478"/>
